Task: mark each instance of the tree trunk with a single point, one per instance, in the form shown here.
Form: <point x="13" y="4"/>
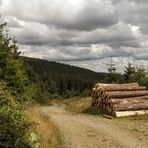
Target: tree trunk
<point x="126" y="94"/>
<point x="116" y="85"/>
<point x="131" y="107"/>
<point x="129" y="100"/>
<point x="123" y="88"/>
<point x="130" y="113"/>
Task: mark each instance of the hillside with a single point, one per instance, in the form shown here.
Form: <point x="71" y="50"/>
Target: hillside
<point x="43" y="67"/>
<point x="64" y="80"/>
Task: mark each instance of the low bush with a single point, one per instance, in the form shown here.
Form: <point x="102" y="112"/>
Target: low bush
<point x="15" y="128"/>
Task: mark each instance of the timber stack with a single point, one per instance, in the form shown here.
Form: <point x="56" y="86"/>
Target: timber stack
<point x="120" y="99"/>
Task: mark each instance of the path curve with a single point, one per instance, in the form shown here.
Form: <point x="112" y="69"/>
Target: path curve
<point x="86" y="131"/>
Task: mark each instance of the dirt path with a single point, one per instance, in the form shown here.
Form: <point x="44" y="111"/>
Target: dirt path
<point x="86" y="131"/>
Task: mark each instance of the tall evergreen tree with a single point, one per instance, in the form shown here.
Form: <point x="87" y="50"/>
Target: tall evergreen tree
<point x="129" y="72"/>
<point x="14" y="82"/>
<point x="12" y="69"/>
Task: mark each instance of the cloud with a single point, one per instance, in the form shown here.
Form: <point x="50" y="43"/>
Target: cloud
<point x="135" y="13"/>
<point x="82" y="32"/>
<point x="69" y="14"/>
<point x="115" y="36"/>
<point x="12" y="22"/>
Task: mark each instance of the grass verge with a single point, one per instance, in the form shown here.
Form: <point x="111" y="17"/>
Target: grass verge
<point x="79" y="105"/>
<point x="50" y="137"/>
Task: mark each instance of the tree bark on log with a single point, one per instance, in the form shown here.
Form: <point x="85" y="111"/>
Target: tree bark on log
<point x="130" y="113"/>
<point x="123" y="88"/>
<point x="116" y="85"/>
<point x="131" y="107"/>
<point x="120" y="99"/>
<point x="126" y="94"/>
<point x="129" y="100"/>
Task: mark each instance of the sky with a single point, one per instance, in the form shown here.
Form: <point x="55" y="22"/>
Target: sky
<point x="84" y="33"/>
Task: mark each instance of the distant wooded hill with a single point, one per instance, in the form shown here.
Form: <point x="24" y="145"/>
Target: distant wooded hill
<point x="57" y="79"/>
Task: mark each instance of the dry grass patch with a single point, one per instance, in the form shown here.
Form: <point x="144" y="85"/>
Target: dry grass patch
<point x="77" y="104"/>
<point x="81" y="105"/>
<point x="50" y="137"/>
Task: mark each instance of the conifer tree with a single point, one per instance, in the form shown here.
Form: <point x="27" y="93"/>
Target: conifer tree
<point x="12" y="69"/>
<point x="129" y="72"/>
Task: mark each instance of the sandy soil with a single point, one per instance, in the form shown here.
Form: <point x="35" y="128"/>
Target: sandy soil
<point x="86" y="131"/>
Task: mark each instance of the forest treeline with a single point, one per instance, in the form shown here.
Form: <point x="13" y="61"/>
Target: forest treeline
<point x="57" y="80"/>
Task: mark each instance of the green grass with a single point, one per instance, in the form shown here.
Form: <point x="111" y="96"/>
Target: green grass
<point x="94" y="111"/>
<point x="81" y="105"/>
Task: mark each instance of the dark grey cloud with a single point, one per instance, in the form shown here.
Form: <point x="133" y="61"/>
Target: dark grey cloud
<point x="90" y="17"/>
<point x="79" y="15"/>
<point x="133" y="12"/>
<point x="115" y="36"/>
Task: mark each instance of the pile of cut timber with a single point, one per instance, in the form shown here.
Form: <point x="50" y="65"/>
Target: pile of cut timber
<point x="120" y="99"/>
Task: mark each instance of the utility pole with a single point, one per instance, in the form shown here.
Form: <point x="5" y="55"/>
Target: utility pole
<point x="111" y="67"/>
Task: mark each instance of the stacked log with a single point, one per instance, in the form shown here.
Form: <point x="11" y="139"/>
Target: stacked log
<point x="120" y="99"/>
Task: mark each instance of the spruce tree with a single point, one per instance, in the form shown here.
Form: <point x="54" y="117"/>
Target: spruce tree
<point x="12" y="68"/>
<point x="129" y="72"/>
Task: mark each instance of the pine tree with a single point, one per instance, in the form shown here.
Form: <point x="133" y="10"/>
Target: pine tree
<point x="14" y="82"/>
<point x="129" y="72"/>
<point x="12" y="69"/>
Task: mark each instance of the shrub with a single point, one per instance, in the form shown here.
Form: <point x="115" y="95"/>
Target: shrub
<point x="14" y="126"/>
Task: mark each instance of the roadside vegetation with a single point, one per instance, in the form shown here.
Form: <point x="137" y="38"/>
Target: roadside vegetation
<point x="15" y="128"/>
<point x="15" y="91"/>
<point x="59" y="81"/>
<point x="48" y="132"/>
<point x="18" y="89"/>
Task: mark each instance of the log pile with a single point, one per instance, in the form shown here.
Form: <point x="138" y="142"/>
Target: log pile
<point x="120" y="99"/>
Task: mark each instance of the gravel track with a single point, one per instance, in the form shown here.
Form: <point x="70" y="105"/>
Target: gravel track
<point x="86" y="131"/>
